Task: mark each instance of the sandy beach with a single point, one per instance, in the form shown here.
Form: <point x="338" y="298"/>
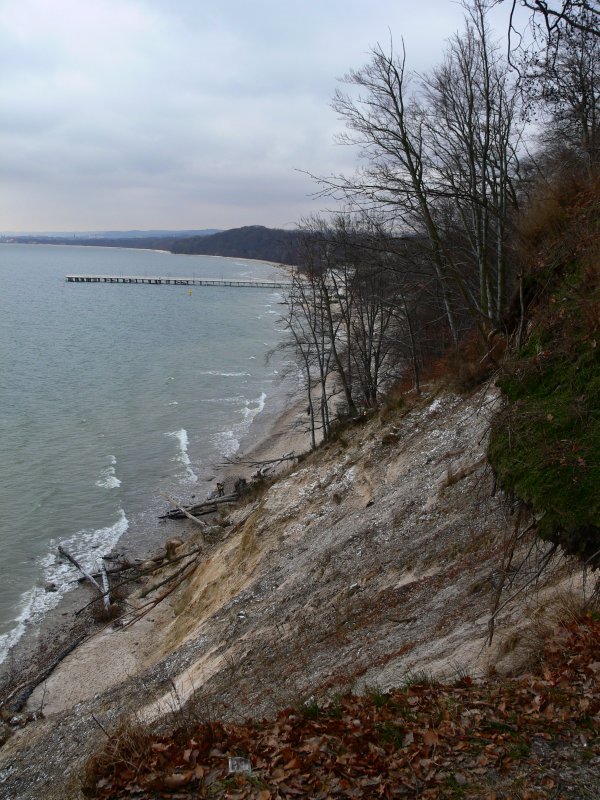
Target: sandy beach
<point x="276" y="431"/>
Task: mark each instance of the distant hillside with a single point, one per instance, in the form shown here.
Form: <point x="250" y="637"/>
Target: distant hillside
<point x="146" y="234"/>
<point x="252" y="241"/>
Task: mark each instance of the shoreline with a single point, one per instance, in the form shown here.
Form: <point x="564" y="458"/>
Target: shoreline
<point x="69" y="622"/>
<point x="32" y="596"/>
<point x="277" y="264"/>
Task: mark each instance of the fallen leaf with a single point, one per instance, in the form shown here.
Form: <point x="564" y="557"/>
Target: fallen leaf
<point x="431" y="738"/>
<point x="178" y="779"/>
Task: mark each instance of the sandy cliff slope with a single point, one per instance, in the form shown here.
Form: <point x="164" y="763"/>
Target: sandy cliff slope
<point x="377" y="556"/>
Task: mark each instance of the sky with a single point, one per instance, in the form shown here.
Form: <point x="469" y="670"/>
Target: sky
<point x="178" y="114"/>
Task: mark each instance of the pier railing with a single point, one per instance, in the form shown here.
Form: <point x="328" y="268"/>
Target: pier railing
<point x="171" y="281"/>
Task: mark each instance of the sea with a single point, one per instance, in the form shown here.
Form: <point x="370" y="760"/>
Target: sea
<point x="112" y="395"/>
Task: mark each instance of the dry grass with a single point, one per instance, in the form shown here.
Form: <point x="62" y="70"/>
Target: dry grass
<point x="550" y="213"/>
<point x="525" y="645"/>
<point x="125" y="747"/>
<point x="464" y="368"/>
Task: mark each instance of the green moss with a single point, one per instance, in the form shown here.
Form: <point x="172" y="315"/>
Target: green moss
<point x="545" y="446"/>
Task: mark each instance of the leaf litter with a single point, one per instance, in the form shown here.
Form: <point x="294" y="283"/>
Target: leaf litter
<point x="501" y="738"/>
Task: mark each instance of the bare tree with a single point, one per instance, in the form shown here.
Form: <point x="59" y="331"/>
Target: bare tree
<point x="566" y="84"/>
<point x="387" y="124"/>
<point x="325" y="263"/>
<point x="473" y="139"/>
<point x="305" y="320"/>
<point x="439" y="156"/>
<point x="580" y="15"/>
<point x="351" y="315"/>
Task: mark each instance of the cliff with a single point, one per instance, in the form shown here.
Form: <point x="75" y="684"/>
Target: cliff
<point x="377" y="557"/>
<point x="347" y="587"/>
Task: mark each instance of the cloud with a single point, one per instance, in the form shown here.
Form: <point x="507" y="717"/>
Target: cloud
<point x="144" y="113"/>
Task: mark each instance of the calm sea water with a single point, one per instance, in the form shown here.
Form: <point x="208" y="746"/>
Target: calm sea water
<point x="110" y="394"/>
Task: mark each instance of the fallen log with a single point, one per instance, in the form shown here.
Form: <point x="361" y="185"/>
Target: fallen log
<point x="166" y="580"/>
<point x="147" y="607"/>
<point x="106" y="587"/>
<point x="85" y="574"/>
<point x="142" y="573"/>
<point x="207" y="507"/>
<point x="179" y="511"/>
<point x="291" y="456"/>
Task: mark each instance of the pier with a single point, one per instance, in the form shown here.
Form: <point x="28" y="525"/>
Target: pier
<point x="170" y="281"/>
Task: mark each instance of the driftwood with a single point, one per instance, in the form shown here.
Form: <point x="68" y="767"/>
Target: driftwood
<point x="182" y="511"/>
<point x="118" y="565"/>
<point x="257" y="462"/>
<point x="191" y="512"/>
<point x="168" y="579"/>
<point x="147" y="607"/>
<point x="85" y="574"/>
<point x="141" y="573"/>
<point x="105" y="586"/>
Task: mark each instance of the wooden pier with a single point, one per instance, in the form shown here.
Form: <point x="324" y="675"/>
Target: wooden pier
<point x="170" y="281"/>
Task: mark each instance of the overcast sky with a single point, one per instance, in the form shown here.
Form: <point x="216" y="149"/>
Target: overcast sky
<point x="119" y="114"/>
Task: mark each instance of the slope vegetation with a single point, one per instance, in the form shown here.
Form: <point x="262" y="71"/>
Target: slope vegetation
<point x="545" y="448"/>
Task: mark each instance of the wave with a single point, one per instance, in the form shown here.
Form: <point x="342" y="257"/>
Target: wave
<point x="88" y="546"/>
<point x="225" y="374"/>
<point x="219" y="400"/>
<point x="182" y="456"/>
<point x="228" y="442"/>
<point x="225" y="442"/>
<point x="107" y="479"/>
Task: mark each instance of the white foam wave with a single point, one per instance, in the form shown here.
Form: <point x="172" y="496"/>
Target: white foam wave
<point x="249" y="412"/>
<point x="182" y="455"/>
<point x="225" y="374"/>
<point x="174" y="403"/>
<point x="225" y="442"/>
<point x="222" y="399"/>
<point x="107" y="479"/>
<point x="87" y="546"/>
<point x="228" y="442"/>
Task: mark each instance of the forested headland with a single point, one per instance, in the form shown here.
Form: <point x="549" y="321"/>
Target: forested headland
<point x="250" y="241"/>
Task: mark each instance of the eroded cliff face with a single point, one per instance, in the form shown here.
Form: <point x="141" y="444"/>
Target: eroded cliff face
<point x="377" y="556"/>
